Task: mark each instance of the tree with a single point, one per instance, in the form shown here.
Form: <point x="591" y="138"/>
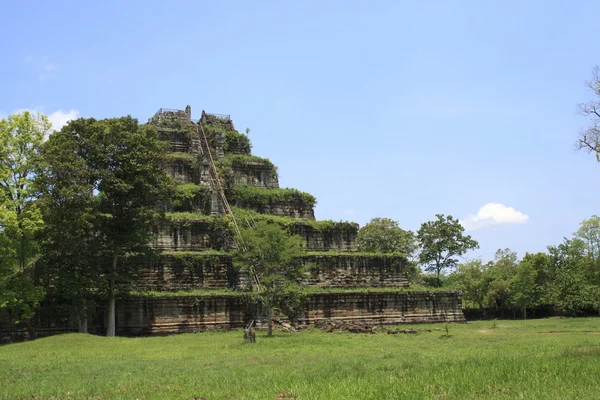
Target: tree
<point x="502" y="270"/>
<point x="270" y="253"/>
<point x="122" y="164"/>
<point x="589" y="233"/>
<point x="572" y="289"/>
<point x="523" y="286"/>
<point x="71" y="256"/>
<point x="21" y="136"/>
<point x="589" y="139"/>
<point x="441" y="241"/>
<point x="384" y="235"/>
<point x="474" y="280"/>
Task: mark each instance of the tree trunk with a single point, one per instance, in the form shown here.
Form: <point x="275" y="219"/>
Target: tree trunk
<point x="270" y="313"/>
<point x="111" y="297"/>
<point x="82" y="319"/>
<point x="524" y="312"/>
<point x="31" y="331"/>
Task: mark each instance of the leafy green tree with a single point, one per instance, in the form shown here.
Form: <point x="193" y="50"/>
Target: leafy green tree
<point x="589" y="233"/>
<point x="270" y="253"/>
<point x="21" y="136"/>
<point x="474" y="279"/>
<point x="122" y="164"/>
<point x="502" y="270"/>
<point x="384" y="235"/>
<point x="523" y="286"/>
<point x="71" y="259"/>
<point x="571" y="289"/>
<point x="441" y="241"/>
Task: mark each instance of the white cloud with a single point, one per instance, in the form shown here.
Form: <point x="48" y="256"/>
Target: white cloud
<point x="493" y="214"/>
<point x="59" y="118"/>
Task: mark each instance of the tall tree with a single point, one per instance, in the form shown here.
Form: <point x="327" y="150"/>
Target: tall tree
<point x="523" y="287"/>
<point x="384" y="235"/>
<point x="71" y="255"/>
<point x="123" y="166"/>
<point x="272" y="254"/>
<point x="474" y="280"/>
<point x="441" y="241"/>
<point x="21" y="136"/>
<point x="589" y="139"/>
<point x="589" y="233"/>
<point x="502" y="270"/>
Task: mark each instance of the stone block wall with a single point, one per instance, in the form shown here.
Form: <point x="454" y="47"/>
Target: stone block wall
<point x="293" y="209"/>
<point x="387" y="307"/>
<point x="159" y="316"/>
<point x="335" y="239"/>
<point x="354" y="271"/>
<point x="191" y="236"/>
<point x="186" y="272"/>
<point x="255" y="174"/>
<point x="205" y="235"/>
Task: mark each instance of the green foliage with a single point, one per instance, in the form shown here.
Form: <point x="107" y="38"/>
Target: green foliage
<point x="247" y="216"/>
<point x="384" y="235"/>
<point x="271" y="254"/>
<point x="243" y="160"/>
<point x="589" y="233"/>
<point x="474" y="280"/>
<point x="441" y="241"/>
<point x="522" y="286"/>
<point x="254" y="197"/>
<point x="123" y="163"/>
<point x="21" y="136"/>
<point x="188" y="216"/>
<point x="189" y="196"/>
<point x="235" y="141"/>
<point x="188" y="158"/>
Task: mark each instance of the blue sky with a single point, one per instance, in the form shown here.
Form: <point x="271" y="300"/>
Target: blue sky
<point x="380" y="109"/>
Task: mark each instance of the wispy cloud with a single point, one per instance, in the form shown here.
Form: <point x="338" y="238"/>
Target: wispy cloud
<point x="493" y="214"/>
<point x="349" y="211"/>
<point x="58" y="118"/>
<point x="45" y="67"/>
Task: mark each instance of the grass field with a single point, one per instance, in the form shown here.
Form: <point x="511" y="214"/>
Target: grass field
<point x="537" y="359"/>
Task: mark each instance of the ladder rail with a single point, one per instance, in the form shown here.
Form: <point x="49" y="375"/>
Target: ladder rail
<point x="216" y="181"/>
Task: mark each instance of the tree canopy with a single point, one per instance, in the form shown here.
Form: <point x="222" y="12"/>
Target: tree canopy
<point x="384" y="235"/>
<point x="441" y="241"/>
<point x="272" y="254"/>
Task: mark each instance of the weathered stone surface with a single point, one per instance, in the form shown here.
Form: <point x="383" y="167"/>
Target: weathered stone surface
<point x="347" y="271"/>
<point x="336" y="239"/>
<point x="255" y="174"/>
<point x="191" y="236"/>
<point x="293" y="209"/>
<point x="204" y="235"/>
<point x="144" y="316"/>
<point x="187" y="271"/>
<point x="191" y="271"/>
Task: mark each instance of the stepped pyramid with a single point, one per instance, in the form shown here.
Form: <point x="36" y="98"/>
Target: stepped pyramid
<point x="196" y="244"/>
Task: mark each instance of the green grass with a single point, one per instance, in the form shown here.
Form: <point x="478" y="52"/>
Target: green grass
<point x="537" y="359"/>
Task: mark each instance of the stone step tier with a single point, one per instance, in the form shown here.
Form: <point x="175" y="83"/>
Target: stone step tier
<point x="174" y="272"/>
<point x="208" y="234"/>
